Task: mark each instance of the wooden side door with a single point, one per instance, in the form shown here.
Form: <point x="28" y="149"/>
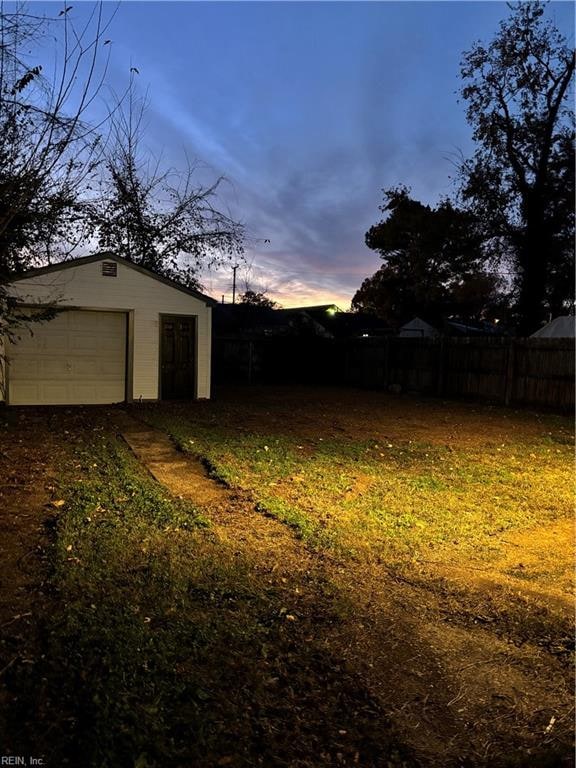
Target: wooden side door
<point x="177" y="357"/>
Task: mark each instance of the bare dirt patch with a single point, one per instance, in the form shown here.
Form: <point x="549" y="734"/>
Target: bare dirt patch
<point x="533" y="563"/>
<point x="321" y="412"/>
<point x="27" y="507"/>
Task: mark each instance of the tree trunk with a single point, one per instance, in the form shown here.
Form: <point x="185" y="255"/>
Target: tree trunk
<point x="534" y="266"/>
<point x="534" y="260"/>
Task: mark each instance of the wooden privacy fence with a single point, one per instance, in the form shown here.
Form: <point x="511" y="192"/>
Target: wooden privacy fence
<point x="511" y="371"/>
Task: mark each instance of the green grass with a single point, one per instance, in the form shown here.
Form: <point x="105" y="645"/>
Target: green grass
<point x="127" y="650"/>
<point x="166" y="648"/>
<point x="113" y="647"/>
<point x="377" y="499"/>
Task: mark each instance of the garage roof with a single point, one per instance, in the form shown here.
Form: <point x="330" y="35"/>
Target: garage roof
<point x="104" y="256"/>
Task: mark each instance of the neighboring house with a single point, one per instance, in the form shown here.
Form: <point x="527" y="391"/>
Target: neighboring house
<point x="418" y="329"/>
<point x="320" y="312"/>
<point x="306" y="323"/>
<point x="121" y="333"/>
<point x="246" y="321"/>
<point x="354" y="325"/>
<point x="336" y="324"/>
<point x="560" y="328"/>
<point x="466" y="327"/>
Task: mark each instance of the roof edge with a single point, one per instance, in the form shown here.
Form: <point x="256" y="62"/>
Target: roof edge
<point x="106" y="255"/>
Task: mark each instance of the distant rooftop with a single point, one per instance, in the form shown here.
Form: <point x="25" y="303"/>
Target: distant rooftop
<point x="316" y="308"/>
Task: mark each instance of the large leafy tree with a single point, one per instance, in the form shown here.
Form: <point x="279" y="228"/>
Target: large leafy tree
<point x="434" y="264"/>
<point x="520" y="180"/>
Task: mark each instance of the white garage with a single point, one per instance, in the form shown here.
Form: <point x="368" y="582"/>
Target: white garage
<point x="120" y="333"/>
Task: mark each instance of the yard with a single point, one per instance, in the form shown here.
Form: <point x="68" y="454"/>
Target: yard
<point x="368" y="580"/>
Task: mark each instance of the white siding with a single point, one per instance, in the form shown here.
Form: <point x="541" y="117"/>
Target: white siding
<point x="84" y="287"/>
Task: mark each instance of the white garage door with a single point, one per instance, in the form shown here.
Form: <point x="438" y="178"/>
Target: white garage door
<point x="77" y="358"/>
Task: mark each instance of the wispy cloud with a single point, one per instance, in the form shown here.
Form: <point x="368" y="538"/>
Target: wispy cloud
<point x="310" y="110"/>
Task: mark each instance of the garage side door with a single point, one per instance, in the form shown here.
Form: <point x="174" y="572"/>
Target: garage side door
<point x="77" y="358"/>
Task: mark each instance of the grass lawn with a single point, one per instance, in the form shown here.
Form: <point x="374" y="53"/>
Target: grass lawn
<point x="372" y="490"/>
<point x="386" y="583"/>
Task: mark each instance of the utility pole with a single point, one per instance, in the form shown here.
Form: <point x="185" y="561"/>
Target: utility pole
<point x="234" y="284"/>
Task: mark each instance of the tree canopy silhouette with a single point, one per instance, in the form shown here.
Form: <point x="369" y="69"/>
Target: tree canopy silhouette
<point x="49" y="152"/>
<point x="258" y="299"/>
<point x="434" y="265"/>
<point x="66" y="181"/>
<point x="520" y="180"/>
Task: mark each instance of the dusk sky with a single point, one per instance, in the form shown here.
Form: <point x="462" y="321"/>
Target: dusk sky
<point x="309" y="109"/>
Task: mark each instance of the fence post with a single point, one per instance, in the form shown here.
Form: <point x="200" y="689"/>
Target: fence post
<point x="250" y="353"/>
<point x="343" y="350"/>
<point x="510" y="371"/>
<point x="386" y="381"/>
<point x="441" y="365"/>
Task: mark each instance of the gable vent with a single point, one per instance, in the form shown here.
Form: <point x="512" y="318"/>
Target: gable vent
<point x="109" y="269"/>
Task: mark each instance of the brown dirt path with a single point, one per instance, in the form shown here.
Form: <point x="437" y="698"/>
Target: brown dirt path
<point x="183" y="476"/>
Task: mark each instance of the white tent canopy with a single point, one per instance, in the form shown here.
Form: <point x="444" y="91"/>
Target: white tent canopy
<point x="560" y="328"/>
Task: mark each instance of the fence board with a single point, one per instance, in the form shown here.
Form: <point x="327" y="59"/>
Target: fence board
<point x="512" y="371"/>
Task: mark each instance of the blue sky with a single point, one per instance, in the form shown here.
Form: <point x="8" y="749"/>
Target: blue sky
<point x="309" y="109"/>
